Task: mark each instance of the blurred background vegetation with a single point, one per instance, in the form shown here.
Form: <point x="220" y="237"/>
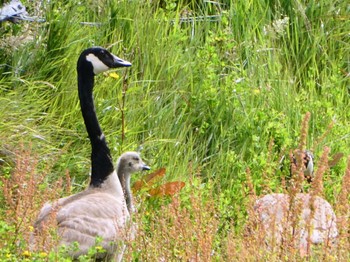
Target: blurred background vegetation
<point x="212" y="83"/>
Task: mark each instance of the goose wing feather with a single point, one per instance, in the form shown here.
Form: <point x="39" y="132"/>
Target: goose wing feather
<point x="82" y="220"/>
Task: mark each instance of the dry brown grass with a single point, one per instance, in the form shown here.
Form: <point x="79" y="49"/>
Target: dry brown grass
<point x="186" y="226"/>
<point x="25" y="190"/>
<point x="343" y="213"/>
<point x="254" y="240"/>
<point x="181" y="230"/>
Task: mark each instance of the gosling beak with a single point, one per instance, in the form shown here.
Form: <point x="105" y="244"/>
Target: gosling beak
<point x="145" y="167"/>
<point x="118" y="62"/>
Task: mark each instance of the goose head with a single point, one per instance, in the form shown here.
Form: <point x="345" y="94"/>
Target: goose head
<point x="96" y="60"/>
<point x="129" y="163"/>
<point x="308" y="161"/>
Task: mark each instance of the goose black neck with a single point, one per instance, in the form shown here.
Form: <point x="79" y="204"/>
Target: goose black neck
<point x="101" y="160"/>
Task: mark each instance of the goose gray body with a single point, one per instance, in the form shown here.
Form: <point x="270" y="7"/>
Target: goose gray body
<point x="103" y="209"/>
<point x="97" y="212"/>
<point x="316" y="220"/>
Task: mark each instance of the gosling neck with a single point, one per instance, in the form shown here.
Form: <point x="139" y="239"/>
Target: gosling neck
<point x="124" y="178"/>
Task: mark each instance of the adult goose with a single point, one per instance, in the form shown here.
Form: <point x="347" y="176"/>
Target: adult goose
<point x="303" y="220"/>
<point x="307" y="159"/>
<point x="103" y="209"/>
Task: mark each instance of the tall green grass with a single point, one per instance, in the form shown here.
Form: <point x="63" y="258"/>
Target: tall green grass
<point x="204" y="97"/>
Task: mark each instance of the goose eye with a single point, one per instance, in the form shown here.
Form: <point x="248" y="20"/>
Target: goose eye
<point x="104" y="54"/>
<point x="136" y="158"/>
<point x="130" y="164"/>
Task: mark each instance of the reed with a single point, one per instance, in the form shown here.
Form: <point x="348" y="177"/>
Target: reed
<point x="215" y="88"/>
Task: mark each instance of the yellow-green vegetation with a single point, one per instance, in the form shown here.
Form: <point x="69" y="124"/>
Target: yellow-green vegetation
<point x="217" y="93"/>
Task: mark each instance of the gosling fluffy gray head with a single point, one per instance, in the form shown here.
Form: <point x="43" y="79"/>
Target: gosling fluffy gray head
<point x="131" y="162"/>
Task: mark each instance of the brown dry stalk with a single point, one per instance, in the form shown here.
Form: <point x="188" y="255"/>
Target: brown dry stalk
<point x="343" y="207"/>
<point x="304" y="131"/>
<point x="179" y="231"/>
<point x="47" y="238"/>
<point x="68" y="184"/>
<point x="253" y="231"/>
<point x="297" y="172"/>
<point x="316" y="190"/>
<point x="298" y="169"/>
<point x="25" y="191"/>
<point x="317" y="183"/>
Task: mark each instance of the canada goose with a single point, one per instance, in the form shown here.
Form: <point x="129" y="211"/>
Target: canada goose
<point x="102" y="210"/>
<point x="316" y="220"/>
<point x="308" y="160"/>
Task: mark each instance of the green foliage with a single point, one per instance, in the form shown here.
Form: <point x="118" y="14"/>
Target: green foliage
<point x="205" y="95"/>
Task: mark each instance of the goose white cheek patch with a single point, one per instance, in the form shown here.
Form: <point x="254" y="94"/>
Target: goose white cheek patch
<point x="97" y="64"/>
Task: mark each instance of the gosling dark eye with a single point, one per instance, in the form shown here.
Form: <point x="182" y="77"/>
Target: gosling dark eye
<point x="130" y="164"/>
<point x="136" y="158"/>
